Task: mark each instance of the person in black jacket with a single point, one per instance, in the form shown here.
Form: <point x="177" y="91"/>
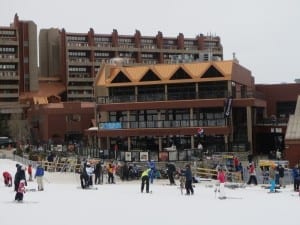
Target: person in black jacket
<point x="84" y="178"/>
<point x="20" y="175"/>
<point x="98" y="173"/>
<point x="188" y="180"/>
<point x="281" y="175"/>
<point x="170" y="171"/>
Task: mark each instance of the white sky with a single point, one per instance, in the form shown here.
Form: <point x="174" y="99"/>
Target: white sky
<point x="122" y="203"/>
<point x="264" y="34"/>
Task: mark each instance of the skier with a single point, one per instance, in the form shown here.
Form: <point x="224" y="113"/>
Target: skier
<point x="188" y="180"/>
<point x="153" y="170"/>
<point x="272" y="178"/>
<point x="7" y="179"/>
<point x="20" y="191"/>
<point x="221" y="178"/>
<point x="39" y="174"/>
<point x="252" y="174"/>
<point x="145" y="180"/>
<point x="29" y="171"/>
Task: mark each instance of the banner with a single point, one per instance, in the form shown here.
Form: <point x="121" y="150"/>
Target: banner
<point x="228" y="106"/>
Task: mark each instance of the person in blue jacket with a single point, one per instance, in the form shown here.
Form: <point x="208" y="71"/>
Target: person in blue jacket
<point x="296" y="176"/>
<point x="39" y="174"/>
<point x="152" y="171"/>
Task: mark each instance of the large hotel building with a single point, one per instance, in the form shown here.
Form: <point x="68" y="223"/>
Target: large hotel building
<point x="142" y="93"/>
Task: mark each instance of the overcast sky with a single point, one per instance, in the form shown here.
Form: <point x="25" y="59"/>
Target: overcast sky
<point x="264" y="34"/>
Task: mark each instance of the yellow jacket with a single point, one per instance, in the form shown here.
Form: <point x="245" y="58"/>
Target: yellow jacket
<point x="146" y="172"/>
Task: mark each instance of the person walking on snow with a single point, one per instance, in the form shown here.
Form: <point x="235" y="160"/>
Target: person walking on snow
<point x="145" y="180"/>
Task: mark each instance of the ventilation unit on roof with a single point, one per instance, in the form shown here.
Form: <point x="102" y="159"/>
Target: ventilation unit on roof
<point x="117" y="61"/>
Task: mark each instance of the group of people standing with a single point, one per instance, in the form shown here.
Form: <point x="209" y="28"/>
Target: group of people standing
<point x="96" y="169"/>
<point x="149" y="174"/>
<point x="20" y="180"/>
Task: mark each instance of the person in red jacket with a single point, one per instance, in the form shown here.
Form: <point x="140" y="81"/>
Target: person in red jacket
<point x="221" y="178"/>
<point x="7" y="179"/>
<point x="29" y="171"/>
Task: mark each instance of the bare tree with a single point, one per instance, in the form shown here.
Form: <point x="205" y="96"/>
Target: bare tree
<point x="18" y="128"/>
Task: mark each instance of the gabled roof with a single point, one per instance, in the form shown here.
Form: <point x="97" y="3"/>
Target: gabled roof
<point x="195" y="71"/>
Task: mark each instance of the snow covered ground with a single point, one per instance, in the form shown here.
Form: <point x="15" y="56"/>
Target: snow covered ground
<point x="63" y="202"/>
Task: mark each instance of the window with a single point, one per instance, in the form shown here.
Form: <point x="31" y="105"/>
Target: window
<point x="73" y="118"/>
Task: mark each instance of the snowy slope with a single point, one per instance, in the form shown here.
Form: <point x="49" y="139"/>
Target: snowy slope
<point x="122" y="203"/>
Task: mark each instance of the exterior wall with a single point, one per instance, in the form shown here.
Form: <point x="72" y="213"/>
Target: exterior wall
<point x="32" y="57"/>
<point x="273" y="93"/>
<point x="52" y="119"/>
<point x="27" y="31"/>
<point x="49" y="52"/>
<point x="196" y="110"/>
<point x="292" y="153"/>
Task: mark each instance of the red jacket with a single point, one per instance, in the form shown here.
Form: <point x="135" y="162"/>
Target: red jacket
<point x="221" y="176"/>
<point x="29" y="170"/>
<point x="7" y="175"/>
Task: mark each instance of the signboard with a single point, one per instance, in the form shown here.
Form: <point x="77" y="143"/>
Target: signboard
<point x="110" y="125"/>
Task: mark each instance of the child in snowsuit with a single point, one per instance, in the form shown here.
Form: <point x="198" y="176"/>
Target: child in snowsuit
<point x="145" y="180"/>
<point x="7" y="179"/>
<point x="20" y="191"/>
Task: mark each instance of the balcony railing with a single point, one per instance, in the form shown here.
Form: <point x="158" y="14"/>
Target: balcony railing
<point x="161" y="97"/>
<point x="272" y="122"/>
<point x="173" y="123"/>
